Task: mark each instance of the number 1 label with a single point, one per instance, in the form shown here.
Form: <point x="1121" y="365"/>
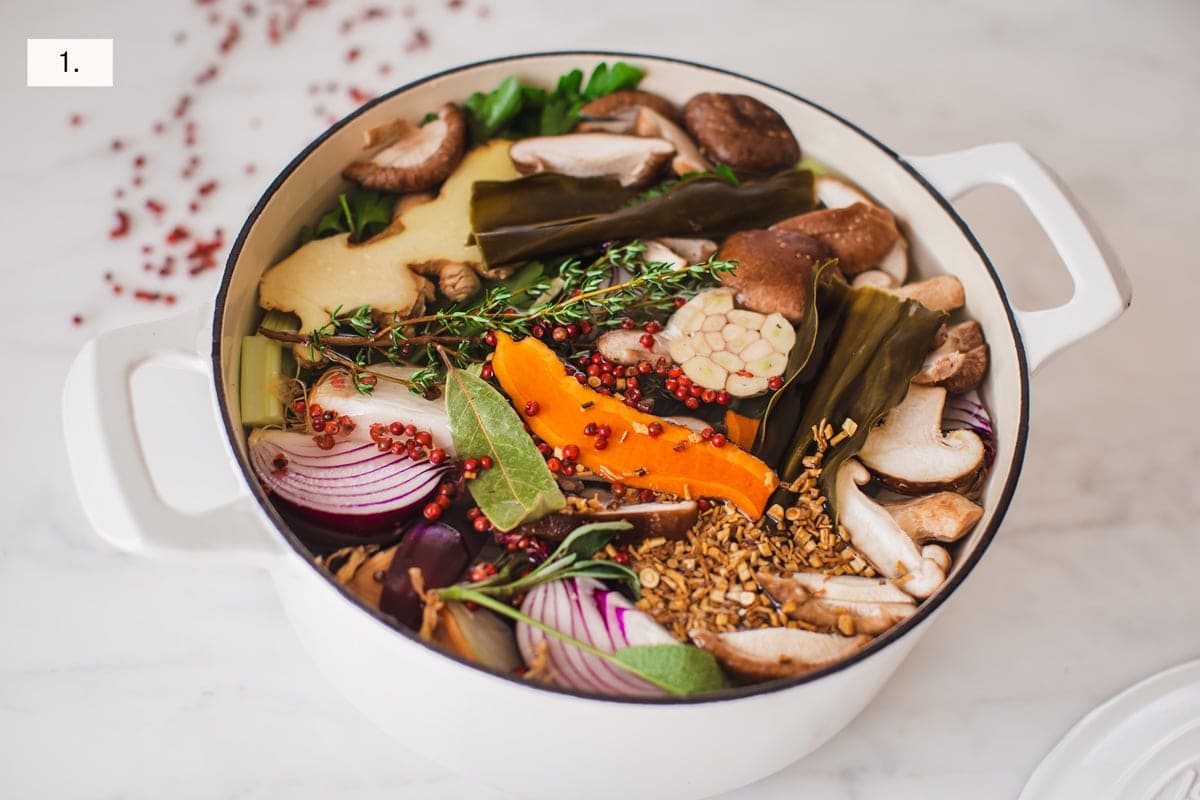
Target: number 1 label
<point x="69" y="62"/>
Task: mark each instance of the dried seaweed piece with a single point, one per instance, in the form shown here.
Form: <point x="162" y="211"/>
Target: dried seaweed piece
<point x="519" y="220"/>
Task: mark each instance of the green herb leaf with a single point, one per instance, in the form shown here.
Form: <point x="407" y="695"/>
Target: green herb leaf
<point x="678" y="668"/>
<point x="488" y="113"/>
<point x="362" y="214"/>
<point x="587" y="540"/>
<point x="606" y="81"/>
<point x="518" y="487"/>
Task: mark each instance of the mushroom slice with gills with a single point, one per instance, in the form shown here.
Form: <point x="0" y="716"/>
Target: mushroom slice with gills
<point x="719" y="346"/>
<point x="625" y="347"/>
<point x="875" y="278"/>
<point x="621" y="121"/>
<point x="695" y="251"/>
<point x="658" y="253"/>
<point x="909" y="453"/>
<point x="419" y="159"/>
<point x="860" y="236"/>
<point x="881" y="541"/>
<point x="632" y="160"/>
<point x="768" y="653"/>
<point x="741" y="132"/>
<point x="846" y="602"/>
<point x="615" y="103"/>
<point x="835" y="192"/>
<point x="688" y="158"/>
<point x="668" y="520"/>
<point x="774" y="270"/>
<point x="940" y="293"/>
<point x="941" y="517"/>
<point x="959" y="363"/>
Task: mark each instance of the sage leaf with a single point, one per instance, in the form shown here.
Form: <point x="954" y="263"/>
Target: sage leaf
<point x="677" y="668"/>
<point x="518" y="487"/>
<point x="587" y="540"/>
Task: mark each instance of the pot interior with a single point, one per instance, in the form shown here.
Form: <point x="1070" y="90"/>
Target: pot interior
<point x="940" y="243"/>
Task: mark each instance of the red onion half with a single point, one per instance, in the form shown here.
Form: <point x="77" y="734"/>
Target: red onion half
<point x="351" y="486"/>
<point x="584" y="609"/>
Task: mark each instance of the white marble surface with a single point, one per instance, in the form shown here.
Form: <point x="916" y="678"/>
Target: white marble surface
<point x="128" y="679"/>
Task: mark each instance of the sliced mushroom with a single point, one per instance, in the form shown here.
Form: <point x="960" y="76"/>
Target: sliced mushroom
<point x="859" y="235"/>
<point x="687" y="155"/>
<point x="611" y="104"/>
<point x="625" y="347"/>
<point x="876" y="535"/>
<point x="847" y="602"/>
<point x="941" y="517"/>
<point x="741" y="132"/>
<point x="774" y="269"/>
<point x="694" y="250"/>
<point x="767" y="653"/>
<point x="959" y="363"/>
<point x="668" y="520"/>
<point x="895" y="262"/>
<point x="621" y="121"/>
<point x="657" y="252"/>
<point x="908" y="451"/>
<point x="941" y="293"/>
<point x="420" y="158"/>
<point x="834" y="192"/>
<point x="876" y="278"/>
<point x="633" y="160"/>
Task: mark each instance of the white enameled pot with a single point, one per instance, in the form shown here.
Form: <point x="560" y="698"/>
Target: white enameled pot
<point x="420" y="695"/>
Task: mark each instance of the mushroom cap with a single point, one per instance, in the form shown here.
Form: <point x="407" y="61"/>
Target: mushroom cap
<point x="959" y="363"/>
<point x="744" y="133"/>
<point x="860" y="235"/>
<point x="610" y="104"/>
<point x="420" y="158"/>
<point x="768" y="653"/>
<point x="774" y="270"/>
<point x="939" y="293"/>
<point x="633" y="160"/>
<point x="940" y="517"/>
<point x="908" y="452"/>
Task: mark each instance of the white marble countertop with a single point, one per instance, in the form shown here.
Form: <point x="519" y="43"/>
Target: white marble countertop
<point x="132" y="679"/>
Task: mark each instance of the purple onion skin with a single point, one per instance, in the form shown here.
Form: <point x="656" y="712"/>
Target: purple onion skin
<point x="441" y="552"/>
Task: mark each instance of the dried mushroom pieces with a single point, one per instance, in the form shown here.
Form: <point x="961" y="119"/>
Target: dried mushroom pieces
<point x="420" y="158"/>
<point x="774" y="270"/>
<point x="606" y="426"/>
<point x="741" y="132"/>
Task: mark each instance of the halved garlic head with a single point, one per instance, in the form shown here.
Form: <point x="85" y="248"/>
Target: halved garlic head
<point x="723" y="347"/>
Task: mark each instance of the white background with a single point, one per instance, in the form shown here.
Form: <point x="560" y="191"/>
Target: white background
<point x="121" y="678"/>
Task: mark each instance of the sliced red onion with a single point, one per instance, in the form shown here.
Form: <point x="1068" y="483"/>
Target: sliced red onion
<point x="967" y="411"/>
<point x="351" y="486"/>
<point x="388" y="402"/>
<point x="584" y="609"/>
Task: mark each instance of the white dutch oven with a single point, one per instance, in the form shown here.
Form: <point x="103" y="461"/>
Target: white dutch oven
<point x="420" y="695"/>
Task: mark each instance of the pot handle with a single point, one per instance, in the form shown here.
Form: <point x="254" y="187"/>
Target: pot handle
<point x="1101" y="288"/>
<point x="109" y="465"/>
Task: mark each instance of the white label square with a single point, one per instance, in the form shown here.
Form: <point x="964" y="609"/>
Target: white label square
<point x="69" y="62"/>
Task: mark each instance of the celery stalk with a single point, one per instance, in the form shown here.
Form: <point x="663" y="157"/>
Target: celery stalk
<point x="262" y="373"/>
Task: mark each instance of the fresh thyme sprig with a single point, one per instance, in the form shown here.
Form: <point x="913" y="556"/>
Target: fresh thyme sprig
<point x="581" y="291"/>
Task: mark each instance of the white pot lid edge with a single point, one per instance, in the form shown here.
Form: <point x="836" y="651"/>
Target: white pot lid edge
<point x="1143" y="744"/>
